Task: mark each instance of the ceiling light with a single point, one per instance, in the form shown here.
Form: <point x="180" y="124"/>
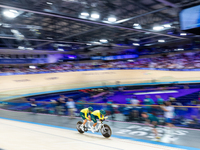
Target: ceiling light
<point x="136" y="44"/>
<point x="147" y="33"/>
<point x="32" y="67"/>
<point x="71" y="57"/>
<point x="21" y="47"/>
<point x="158" y="28"/>
<point x="95" y="16"/>
<point x="96" y="43"/>
<point x="148" y="44"/>
<point x="49" y="3"/>
<point x="103" y="41"/>
<point x="180" y="49"/>
<point x="183" y="34"/>
<point x="50" y="38"/>
<point x="29" y="48"/>
<point x="88" y="44"/>
<point x="10" y="13"/>
<point x="135" y="24"/>
<point x="167" y="25"/>
<point x="112" y="19"/>
<point x="85" y="14"/>
<point x="161" y="41"/>
<point x="14" y="11"/>
<point x="60" y="49"/>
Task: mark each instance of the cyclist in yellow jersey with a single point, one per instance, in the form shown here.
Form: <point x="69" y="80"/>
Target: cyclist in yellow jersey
<point x="97" y="114"/>
<point x="85" y="114"/>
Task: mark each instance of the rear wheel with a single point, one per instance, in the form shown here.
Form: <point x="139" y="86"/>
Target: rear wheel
<point x="78" y="127"/>
<point x="106" y="131"/>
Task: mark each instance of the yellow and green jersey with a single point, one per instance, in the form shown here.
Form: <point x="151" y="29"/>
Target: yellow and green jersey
<point x="98" y="114"/>
<point x="85" y="111"/>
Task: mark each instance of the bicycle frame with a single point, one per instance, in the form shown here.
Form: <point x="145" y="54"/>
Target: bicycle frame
<point x="101" y="127"/>
<point x="96" y="129"/>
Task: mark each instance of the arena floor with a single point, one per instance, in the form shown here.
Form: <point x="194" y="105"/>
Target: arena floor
<point x="23" y="134"/>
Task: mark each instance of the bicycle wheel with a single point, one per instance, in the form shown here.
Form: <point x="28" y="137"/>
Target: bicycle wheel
<point x="79" y="123"/>
<point x="106" y="131"/>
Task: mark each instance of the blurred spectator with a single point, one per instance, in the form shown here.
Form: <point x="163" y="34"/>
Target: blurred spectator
<point x="33" y="105"/>
<point x="148" y="101"/>
<point x="52" y="106"/>
<point x="187" y="60"/>
<point x="172" y="100"/>
<point x="71" y="107"/>
<point x="135" y="101"/>
<point x="135" y="112"/>
<point x="160" y="101"/>
<point x="110" y="108"/>
<point x="59" y="106"/>
<point x="80" y="106"/>
<point x="194" y="121"/>
<point x="169" y="115"/>
<point x="63" y="98"/>
<point x="128" y="101"/>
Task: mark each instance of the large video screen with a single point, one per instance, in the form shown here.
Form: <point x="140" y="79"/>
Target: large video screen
<point x="190" y="18"/>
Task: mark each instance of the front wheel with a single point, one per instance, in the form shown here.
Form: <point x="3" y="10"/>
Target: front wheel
<point x="78" y="127"/>
<point x="106" y="131"/>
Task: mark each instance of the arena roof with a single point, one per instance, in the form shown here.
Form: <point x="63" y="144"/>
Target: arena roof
<point x="78" y="24"/>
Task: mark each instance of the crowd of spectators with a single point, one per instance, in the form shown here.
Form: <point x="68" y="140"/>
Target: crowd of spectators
<point x="188" y="117"/>
<point x="179" y="61"/>
<point x="60" y="106"/>
<point x="63" y="105"/>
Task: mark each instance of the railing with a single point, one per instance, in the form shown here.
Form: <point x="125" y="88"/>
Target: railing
<point x="184" y="116"/>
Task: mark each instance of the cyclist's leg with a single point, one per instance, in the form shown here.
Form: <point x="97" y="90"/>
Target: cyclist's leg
<point x="82" y="116"/>
<point x="84" y="122"/>
<point x="89" y="116"/>
<point x="94" y="119"/>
